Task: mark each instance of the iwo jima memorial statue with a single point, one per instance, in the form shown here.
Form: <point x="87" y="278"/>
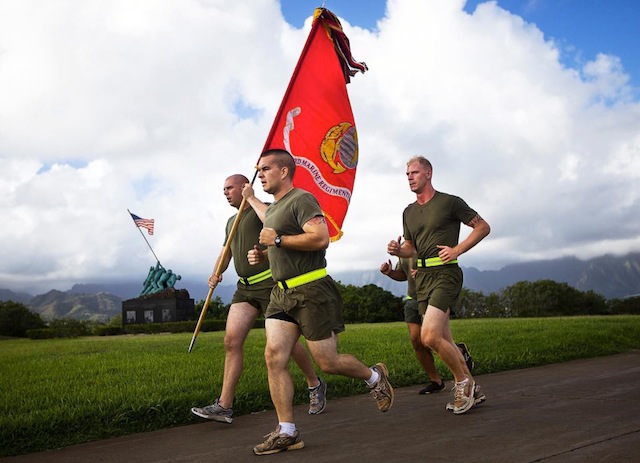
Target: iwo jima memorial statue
<point x="159" y="301"/>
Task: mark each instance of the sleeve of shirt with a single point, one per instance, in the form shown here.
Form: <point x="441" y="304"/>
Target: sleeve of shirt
<point x="307" y="207"/>
<point x="462" y="211"/>
<point x="406" y="233"/>
<point x="228" y="228"/>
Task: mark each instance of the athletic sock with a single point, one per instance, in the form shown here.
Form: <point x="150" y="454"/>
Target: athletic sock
<point x="315" y="387"/>
<point x="287" y="428"/>
<point x="373" y="379"/>
<point x="464" y="382"/>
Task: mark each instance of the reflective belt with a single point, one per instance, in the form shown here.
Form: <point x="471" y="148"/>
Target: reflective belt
<point x="433" y="262"/>
<point x="303" y="279"/>
<point x="408" y="298"/>
<point x="257" y="278"/>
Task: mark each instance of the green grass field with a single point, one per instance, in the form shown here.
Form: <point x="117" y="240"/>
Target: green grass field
<point x="60" y="392"/>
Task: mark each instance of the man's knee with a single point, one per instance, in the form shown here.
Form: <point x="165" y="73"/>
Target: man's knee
<point x="328" y="365"/>
<point x="417" y="344"/>
<point x="233" y="341"/>
<point x="274" y="358"/>
<point x="430" y="339"/>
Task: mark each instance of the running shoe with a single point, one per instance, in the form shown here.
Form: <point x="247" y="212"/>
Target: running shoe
<point x="318" y="398"/>
<point x="478" y="398"/>
<point x="214" y="412"/>
<point x="382" y="392"/>
<point x="432" y="388"/>
<point x="463" y="396"/>
<point x="466" y="354"/>
<point x="276" y="442"/>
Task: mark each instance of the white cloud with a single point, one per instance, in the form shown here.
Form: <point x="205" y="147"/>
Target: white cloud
<point x="150" y="105"/>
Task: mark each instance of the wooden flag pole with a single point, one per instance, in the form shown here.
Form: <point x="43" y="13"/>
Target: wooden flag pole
<point x="218" y="271"/>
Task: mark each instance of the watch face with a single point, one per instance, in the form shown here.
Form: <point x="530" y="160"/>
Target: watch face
<point x="277" y="241"/>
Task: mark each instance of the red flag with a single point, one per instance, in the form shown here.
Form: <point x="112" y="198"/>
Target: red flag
<point x="315" y="122"/>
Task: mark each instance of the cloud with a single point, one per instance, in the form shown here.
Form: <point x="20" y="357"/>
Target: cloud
<point x="150" y="105"/>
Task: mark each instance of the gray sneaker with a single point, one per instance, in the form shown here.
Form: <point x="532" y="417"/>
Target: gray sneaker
<point x="214" y="412"/>
<point x="318" y="398"/>
<point x="276" y="442"/>
<point x="478" y="398"/>
<point x="382" y="392"/>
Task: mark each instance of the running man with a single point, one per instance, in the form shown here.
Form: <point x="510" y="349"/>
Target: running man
<point x="431" y="232"/>
<point x="250" y="300"/>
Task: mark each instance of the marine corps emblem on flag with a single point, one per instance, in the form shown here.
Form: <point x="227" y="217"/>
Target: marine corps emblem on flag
<point x="339" y="148"/>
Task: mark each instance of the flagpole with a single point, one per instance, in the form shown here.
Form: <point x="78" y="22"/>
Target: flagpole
<point x="221" y="259"/>
<point x="145" y="238"/>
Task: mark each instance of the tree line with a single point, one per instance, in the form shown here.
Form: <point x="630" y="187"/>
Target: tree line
<point x="372" y="304"/>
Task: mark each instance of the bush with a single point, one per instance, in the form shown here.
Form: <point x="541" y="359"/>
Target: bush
<point x="16" y="319"/>
<point x="69" y="328"/>
<point x="630" y="305"/>
<point x="41" y="333"/>
<point x="182" y="327"/>
<point x="108" y="330"/>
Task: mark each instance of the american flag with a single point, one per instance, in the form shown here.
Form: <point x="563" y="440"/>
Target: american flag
<point x="143" y="223"/>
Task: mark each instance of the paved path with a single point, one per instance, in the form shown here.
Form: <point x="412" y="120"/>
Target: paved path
<point x="579" y="411"/>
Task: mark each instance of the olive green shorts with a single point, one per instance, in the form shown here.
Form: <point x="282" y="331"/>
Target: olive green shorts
<point x="257" y="295"/>
<point x="411" y="312"/>
<point x="438" y="287"/>
<point x="316" y="307"/>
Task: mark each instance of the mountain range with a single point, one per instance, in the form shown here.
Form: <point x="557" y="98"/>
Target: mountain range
<point x="610" y="276"/>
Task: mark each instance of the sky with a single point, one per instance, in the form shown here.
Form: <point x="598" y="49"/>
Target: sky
<point x="528" y="110"/>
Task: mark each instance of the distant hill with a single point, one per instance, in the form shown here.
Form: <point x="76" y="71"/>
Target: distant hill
<point x="99" y="307"/>
<point x="610" y="276"/>
<point x="124" y="290"/>
<point x="8" y="295"/>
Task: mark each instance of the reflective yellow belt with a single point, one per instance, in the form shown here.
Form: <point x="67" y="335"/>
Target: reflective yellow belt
<point x="433" y="262"/>
<point x="257" y="278"/>
<point x="303" y="279"/>
<point x="407" y="298"/>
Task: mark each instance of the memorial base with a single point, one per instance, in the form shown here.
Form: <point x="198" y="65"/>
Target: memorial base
<point x="170" y="305"/>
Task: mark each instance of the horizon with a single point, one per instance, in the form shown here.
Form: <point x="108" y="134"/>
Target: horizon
<point x="230" y="277"/>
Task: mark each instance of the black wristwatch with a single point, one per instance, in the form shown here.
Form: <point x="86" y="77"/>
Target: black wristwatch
<point x="278" y="241"/>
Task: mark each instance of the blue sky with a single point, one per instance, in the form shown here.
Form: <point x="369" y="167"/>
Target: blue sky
<point x="528" y="110"/>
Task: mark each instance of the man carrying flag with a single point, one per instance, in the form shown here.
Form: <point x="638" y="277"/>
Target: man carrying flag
<point x="313" y="136"/>
<point x="305" y="299"/>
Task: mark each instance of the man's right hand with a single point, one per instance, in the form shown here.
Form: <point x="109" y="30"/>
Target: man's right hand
<point x="393" y="247"/>
<point x="254" y="256"/>
<point x="214" y="280"/>
<point x="386" y="267"/>
<point x="247" y="191"/>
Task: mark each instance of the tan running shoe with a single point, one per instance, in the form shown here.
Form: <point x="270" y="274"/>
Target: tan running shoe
<point x="463" y="398"/>
<point x="276" y="442"/>
<point x="382" y="392"/>
<point x="478" y="398"/>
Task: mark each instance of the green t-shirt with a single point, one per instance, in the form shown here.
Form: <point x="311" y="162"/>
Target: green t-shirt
<point x="287" y="216"/>
<point x="406" y="265"/>
<point x="435" y="223"/>
<point x="247" y="235"/>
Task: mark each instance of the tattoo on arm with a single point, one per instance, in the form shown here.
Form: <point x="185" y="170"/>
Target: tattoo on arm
<point x="316" y="220"/>
<point x="475" y="221"/>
